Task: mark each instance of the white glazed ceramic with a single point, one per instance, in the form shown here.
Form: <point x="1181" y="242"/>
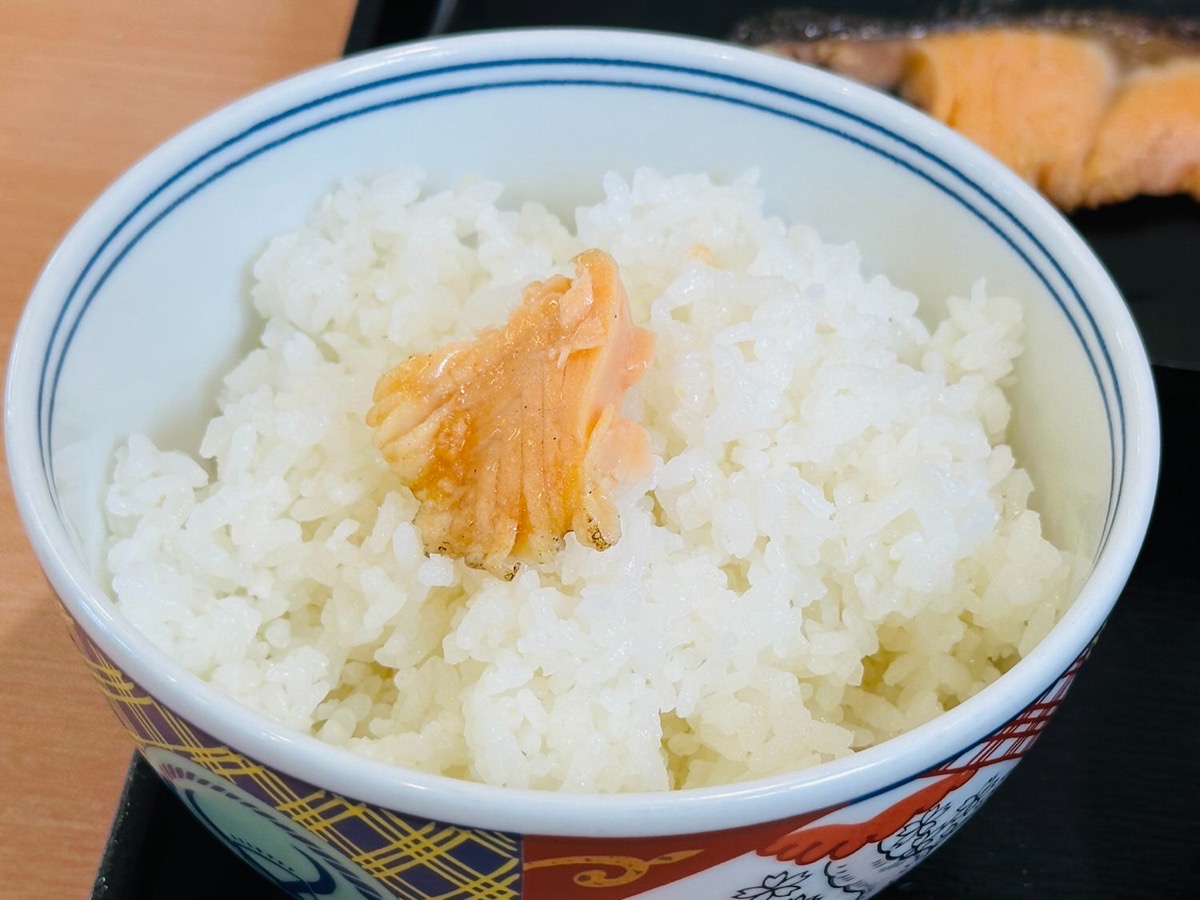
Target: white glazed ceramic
<point x="143" y="307"/>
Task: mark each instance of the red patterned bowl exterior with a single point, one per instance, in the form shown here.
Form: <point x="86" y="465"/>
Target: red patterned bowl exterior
<point x="314" y="843"/>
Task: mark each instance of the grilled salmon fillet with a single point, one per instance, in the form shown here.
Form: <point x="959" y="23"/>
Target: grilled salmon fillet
<point x="1090" y="108"/>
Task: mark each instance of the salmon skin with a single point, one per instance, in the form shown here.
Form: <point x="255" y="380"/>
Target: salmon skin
<point x="1134" y="39"/>
<point x="1091" y="108"/>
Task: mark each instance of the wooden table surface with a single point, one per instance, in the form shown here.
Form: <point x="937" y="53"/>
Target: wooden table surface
<point x="86" y="88"/>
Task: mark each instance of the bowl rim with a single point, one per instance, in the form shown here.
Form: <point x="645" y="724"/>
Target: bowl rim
<point x="865" y="773"/>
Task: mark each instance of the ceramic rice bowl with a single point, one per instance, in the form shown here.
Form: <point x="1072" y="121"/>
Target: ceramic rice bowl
<point x="143" y="306"/>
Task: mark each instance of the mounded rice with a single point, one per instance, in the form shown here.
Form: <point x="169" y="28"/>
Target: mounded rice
<point x="834" y="547"/>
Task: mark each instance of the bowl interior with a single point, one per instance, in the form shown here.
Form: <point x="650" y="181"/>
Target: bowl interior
<point x="161" y="313"/>
<point x="145" y="305"/>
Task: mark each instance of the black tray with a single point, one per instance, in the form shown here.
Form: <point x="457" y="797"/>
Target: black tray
<point x="1107" y="804"/>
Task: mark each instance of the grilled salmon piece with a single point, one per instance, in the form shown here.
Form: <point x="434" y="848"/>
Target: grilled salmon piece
<point x="1035" y="100"/>
<point x="514" y="439"/>
<point x="1149" y="141"/>
<point x="1089" y="107"/>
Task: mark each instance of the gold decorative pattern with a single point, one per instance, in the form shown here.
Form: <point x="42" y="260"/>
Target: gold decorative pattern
<point x="416" y="859"/>
<point x="629" y="868"/>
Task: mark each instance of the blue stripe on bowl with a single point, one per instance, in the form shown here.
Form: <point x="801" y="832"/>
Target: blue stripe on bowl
<point x="994" y="214"/>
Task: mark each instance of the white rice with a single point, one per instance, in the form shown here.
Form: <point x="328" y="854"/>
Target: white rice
<point x="834" y="547"/>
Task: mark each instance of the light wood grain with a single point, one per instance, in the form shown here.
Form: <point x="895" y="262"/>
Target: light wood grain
<point x="86" y="88"/>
